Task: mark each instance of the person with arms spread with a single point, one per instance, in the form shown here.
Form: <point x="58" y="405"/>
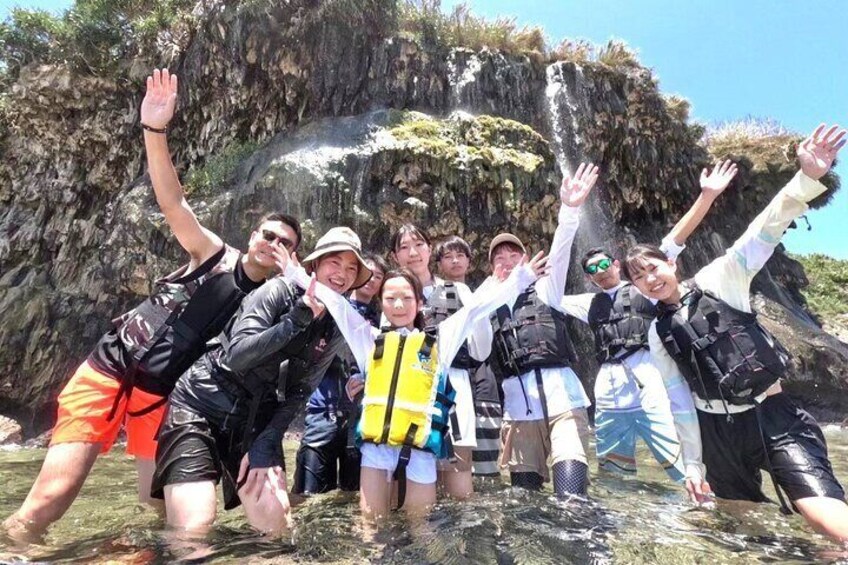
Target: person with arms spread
<point x="706" y="338"/>
<point x="630" y="394"/>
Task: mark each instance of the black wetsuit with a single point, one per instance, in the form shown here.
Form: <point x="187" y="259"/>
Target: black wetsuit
<point x="243" y="394"/>
<point x="326" y="459"/>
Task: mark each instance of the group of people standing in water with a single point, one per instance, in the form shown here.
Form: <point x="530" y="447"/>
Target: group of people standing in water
<point x="410" y="380"/>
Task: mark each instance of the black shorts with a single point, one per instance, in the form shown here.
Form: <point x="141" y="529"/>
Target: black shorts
<point x="191" y="450"/>
<point x="202" y="433"/>
<point x="325" y="461"/>
<point x="794" y="445"/>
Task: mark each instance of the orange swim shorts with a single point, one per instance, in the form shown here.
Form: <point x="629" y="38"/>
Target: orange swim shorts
<point x="84" y="406"/>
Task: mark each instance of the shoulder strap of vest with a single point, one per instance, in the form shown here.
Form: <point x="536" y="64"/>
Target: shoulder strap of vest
<point x="427" y="344"/>
<point x="379" y="346"/>
<point x="626" y="294"/>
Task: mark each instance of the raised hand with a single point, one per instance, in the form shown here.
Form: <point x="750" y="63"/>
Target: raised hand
<point x="576" y="189"/>
<point x="713" y="183"/>
<point x="538" y="264"/>
<point x="817" y="152"/>
<point x="309" y="299"/>
<point x="157" y="108"/>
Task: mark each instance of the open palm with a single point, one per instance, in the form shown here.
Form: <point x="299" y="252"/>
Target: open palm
<point x="157" y="108"/>
<point x="817" y="152"/>
<point x="575" y="189"/>
<point x="714" y="182"/>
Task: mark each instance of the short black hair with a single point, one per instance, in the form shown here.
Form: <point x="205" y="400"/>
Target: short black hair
<point x="453" y="243"/>
<point x="593" y="252"/>
<point x="287" y="219"/>
<point x="377" y="260"/>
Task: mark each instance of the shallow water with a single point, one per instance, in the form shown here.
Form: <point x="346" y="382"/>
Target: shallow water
<point x="641" y="520"/>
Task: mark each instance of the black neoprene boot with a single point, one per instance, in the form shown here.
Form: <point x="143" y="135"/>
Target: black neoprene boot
<point x="570" y="477"/>
<point x="526" y="480"/>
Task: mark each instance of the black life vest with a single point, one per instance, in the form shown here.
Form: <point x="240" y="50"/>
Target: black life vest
<point x="620" y="324"/>
<point x="444" y="301"/>
<point x="171" y="328"/>
<point x="532" y="336"/>
<point x="723" y="353"/>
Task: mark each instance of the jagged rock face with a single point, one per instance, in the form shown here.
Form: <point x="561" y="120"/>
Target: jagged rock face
<point x="81" y="239"/>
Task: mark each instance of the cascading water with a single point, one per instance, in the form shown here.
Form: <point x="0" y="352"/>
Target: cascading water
<point x="463" y="67"/>
<point x="568" y="107"/>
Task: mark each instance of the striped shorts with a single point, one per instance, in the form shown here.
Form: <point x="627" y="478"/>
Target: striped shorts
<point x="488" y="411"/>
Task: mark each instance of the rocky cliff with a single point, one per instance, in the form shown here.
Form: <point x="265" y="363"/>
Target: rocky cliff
<point x="326" y="111"/>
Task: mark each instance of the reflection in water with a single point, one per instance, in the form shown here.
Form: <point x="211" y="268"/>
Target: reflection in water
<point x="644" y="520"/>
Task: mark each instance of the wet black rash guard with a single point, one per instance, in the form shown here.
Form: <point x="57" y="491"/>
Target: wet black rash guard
<point x="276" y="326"/>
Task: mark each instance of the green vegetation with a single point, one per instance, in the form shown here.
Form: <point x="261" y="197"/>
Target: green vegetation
<point x="827" y="295"/>
<point x="768" y="148"/>
<point x="218" y="170"/>
<point x="94" y="36"/>
<point x="485" y="140"/>
<point x="425" y="21"/>
<point x="678" y="106"/>
<point x="103" y="36"/>
<point x="617" y="54"/>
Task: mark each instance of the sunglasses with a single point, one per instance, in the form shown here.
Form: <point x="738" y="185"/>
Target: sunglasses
<point x="601" y="265"/>
<point x="271" y="237"/>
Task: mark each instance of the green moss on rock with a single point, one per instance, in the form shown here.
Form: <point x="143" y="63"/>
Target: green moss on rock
<point x="485" y="141"/>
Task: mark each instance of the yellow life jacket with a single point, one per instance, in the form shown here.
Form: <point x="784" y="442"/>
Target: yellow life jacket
<point x="407" y="398"/>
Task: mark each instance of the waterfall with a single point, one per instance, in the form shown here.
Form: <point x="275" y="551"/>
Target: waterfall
<point x="568" y="106"/>
<point x="463" y="67"/>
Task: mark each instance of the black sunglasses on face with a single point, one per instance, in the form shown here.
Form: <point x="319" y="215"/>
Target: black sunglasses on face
<point x="271" y="237"/>
<point x="601" y="265"/>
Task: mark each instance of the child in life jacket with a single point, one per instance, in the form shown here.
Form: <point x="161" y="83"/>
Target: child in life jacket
<point x="403" y="428"/>
<point x="411" y="250"/>
<point x="706" y="338"/>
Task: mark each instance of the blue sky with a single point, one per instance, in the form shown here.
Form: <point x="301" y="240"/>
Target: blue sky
<point x="732" y="59"/>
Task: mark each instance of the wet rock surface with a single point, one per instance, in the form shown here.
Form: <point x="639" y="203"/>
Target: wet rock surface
<point x="10" y="431"/>
<point x="324" y="98"/>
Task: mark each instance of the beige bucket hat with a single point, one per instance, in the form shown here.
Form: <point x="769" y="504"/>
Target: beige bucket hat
<point x="336" y="240"/>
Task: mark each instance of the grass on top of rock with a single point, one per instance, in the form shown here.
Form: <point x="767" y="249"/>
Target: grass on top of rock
<point x="768" y="147"/>
<point x="827" y="294"/>
<point x="463" y="139"/>
<point x="425" y="21"/>
<point x="105" y="36"/>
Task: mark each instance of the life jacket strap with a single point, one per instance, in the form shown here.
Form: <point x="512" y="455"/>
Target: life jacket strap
<point x="405" y="455"/>
<point x="427" y="345"/>
<point x="150" y="408"/>
<point x="379" y="346"/>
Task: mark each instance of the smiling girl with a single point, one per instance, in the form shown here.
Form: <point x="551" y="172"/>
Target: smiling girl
<point x="706" y="337"/>
<point x="403" y="428"/>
